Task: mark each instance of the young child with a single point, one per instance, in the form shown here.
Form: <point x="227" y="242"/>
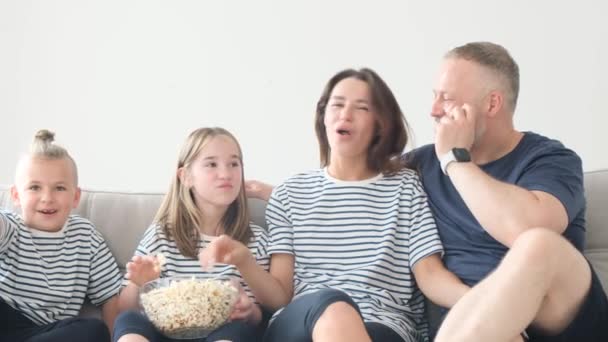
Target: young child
<point x="206" y="199"/>
<point x="51" y="260"/>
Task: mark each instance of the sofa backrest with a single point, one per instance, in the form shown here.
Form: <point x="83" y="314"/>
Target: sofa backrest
<point x="596" y="246"/>
<point x="122" y="217"/>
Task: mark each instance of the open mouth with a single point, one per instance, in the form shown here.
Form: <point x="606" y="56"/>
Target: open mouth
<point x="343" y="132"/>
<point x="47" y="211"/>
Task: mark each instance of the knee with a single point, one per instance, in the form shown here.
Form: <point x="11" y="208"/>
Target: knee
<point x="337" y="311"/>
<point x="130" y="317"/>
<point x="539" y="244"/>
<point x="540" y="252"/>
<point x="335" y="303"/>
<point x="129" y="322"/>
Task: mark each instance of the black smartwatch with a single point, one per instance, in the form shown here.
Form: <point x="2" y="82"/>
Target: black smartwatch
<point x="460" y="155"/>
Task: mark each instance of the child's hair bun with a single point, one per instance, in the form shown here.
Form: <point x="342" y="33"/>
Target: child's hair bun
<point x="45" y="135"/>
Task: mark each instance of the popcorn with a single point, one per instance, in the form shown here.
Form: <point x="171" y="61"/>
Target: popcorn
<point x="187" y="304"/>
<point x="160" y="262"/>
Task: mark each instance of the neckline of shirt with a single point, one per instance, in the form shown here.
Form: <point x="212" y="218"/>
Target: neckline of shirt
<point x="357" y="182"/>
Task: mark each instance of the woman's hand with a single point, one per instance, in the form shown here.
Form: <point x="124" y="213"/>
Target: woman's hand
<point x="142" y="269"/>
<point x="257" y="189"/>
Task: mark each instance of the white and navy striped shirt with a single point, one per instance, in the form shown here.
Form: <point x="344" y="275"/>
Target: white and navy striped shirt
<point x="360" y="237"/>
<point x="155" y="242"/>
<point x="47" y="275"/>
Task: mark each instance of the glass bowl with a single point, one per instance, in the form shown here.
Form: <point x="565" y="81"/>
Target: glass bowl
<point x="188" y="307"/>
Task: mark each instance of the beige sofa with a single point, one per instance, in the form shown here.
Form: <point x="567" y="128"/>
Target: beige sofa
<point x="123" y="216"/>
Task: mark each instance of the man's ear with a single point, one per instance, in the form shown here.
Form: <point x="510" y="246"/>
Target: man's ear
<point x="495" y="103"/>
<point x="15" y="196"/>
<point x="76" y="198"/>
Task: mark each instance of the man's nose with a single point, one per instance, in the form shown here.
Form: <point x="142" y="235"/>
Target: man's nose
<point x="437" y="108"/>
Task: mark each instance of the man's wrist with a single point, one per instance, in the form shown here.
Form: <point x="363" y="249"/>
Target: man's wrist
<point x="455" y="155"/>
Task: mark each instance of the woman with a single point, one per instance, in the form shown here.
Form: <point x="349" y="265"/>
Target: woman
<point x="348" y="239"/>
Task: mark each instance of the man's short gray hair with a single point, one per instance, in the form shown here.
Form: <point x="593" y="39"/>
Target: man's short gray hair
<point x="497" y="59"/>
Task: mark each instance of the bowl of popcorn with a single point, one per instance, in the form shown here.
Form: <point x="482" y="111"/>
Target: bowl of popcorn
<point x="188" y="307"/>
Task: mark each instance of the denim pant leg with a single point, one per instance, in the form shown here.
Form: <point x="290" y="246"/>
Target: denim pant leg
<point x="297" y="320"/>
<point x="134" y="322"/>
<point x="14" y="326"/>
<point x="74" y="329"/>
<point x="381" y="333"/>
<point x="236" y="331"/>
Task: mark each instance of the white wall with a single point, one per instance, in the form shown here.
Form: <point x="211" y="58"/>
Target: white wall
<point x="123" y="82"/>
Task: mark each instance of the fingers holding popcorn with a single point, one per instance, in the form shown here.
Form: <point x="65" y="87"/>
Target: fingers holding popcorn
<point x="245" y="308"/>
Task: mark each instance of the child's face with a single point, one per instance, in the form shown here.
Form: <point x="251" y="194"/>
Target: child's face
<point x="46" y="191"/>
<point x="215" y="176"/>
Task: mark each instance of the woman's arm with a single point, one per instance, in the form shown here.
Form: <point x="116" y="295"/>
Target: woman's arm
<point x="438" y="284"/>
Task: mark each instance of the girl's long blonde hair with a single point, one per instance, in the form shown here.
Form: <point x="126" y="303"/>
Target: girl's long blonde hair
<point x="179" y="215"/>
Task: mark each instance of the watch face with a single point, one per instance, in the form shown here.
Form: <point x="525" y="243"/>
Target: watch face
<point x="461" y="154"/>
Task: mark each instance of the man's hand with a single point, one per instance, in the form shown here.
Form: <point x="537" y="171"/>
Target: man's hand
<point x="455" y="129"/>
<point x="224" y="250"/>
<point x="142" y="269"/>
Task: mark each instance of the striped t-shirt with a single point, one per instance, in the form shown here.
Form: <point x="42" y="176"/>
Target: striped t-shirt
<point x="47" y="275"/>
<point x="361" y="237"/>
<point x="155" y="242"/>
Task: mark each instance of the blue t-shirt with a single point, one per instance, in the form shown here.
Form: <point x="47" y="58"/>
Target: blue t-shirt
<point x="536" y="163"/>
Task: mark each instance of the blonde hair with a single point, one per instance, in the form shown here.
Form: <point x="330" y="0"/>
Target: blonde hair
<point x="43" y="147"/>
<point x="178" y="214"/>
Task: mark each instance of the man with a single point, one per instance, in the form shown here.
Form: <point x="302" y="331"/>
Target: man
<point x="504" y="201"/>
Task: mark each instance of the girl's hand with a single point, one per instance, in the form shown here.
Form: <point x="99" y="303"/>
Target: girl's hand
<point x="245" y="309"/>
<point x="224" y="250"/>
<point x="142" y="269"/>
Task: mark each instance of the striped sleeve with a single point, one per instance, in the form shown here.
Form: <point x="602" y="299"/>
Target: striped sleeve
<point x="259" y="246"/>
<point x="147" y="241"/>
<point x="424" y="238"/>
<point x="7" y="231"/>
<point x="105" y="276"/>
<point x="280" y="228"/>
